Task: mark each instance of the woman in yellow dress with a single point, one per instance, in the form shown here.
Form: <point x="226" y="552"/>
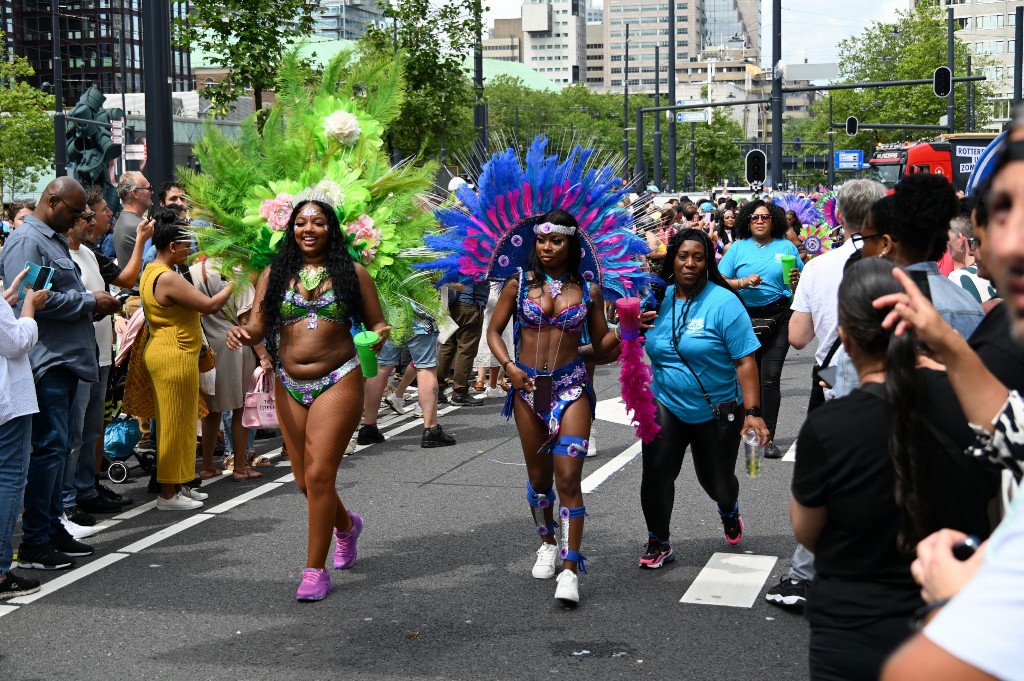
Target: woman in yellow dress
<point x="171" y="357"/>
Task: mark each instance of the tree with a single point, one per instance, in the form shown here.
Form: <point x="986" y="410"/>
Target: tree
<point x="435" y="38"/>
<point x="909" y="48"/>
<point x="26" y="128"/>
<point x="718" y="156"/>
<point x="248" y="38"/>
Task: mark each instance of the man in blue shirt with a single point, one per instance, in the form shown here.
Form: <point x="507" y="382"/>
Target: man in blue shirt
<point x="65" y="354"/>
<point x="467" y="309"/>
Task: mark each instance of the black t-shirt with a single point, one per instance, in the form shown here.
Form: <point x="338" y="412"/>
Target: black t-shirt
<point x="1003" y="356"/>
<point x="843" y="463"/>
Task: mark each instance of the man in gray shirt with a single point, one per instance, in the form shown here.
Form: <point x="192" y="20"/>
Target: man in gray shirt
<point x="136" y="194"/>
<point x="65" y="354"/>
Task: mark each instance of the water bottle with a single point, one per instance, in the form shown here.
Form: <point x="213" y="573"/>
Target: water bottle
<point x="752" y="452"/>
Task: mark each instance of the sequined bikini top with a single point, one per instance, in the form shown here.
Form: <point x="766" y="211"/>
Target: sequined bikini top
<point x="570" y="319"/>
<point x="295" y="308"/>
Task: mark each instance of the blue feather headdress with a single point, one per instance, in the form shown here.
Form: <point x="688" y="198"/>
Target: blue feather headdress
<point x="491" y="238"/>
<point x="806" y="210"/>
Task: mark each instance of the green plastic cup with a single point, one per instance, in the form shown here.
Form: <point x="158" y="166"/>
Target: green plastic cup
<point x="788" y="263"/>
<point x="365" y="340"/>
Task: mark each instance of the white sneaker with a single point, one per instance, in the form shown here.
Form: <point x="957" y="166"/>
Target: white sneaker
<point x="494" y="392"/>
<point x="77" y="531"/>
<point x="547" y="555"/>
<point x="396" y="403"/>
<point x="193" y="494"/>
<point x="178" y="502"/>
<point x="592" y="447"/>
<point x="568" y="589"/>
<point x="351" y="448"/>
<point x="418" y="411"/>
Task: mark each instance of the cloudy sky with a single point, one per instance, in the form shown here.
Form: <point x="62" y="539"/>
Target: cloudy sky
<point x="811" y="29"/>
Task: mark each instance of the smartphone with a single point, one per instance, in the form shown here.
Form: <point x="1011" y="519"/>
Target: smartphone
<point x="828" y="375"/>
<point x="38" y="277"/>
<point x="921" y="281"/>
<point x="707" y="218"/>
<point x="542" y="391"/>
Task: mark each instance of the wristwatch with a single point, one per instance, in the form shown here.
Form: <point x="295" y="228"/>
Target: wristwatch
<point x="754" y="411"/>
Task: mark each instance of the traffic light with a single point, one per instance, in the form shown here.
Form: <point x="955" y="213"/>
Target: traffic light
<point x="756" y="165"/>
<point x="852" y="125"/>
<point x="942" y="81"/>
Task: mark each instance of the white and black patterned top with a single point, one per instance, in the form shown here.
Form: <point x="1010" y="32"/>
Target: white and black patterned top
<point x="1005" y="445"/>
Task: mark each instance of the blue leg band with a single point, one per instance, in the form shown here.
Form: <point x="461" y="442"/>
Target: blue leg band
<point x="570" y="445"/>
<point x="575" y="556"/>
<point x="538" y="504"/>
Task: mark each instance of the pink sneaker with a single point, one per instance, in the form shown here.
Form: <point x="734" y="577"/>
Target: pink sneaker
<point x="345" y="543"/>
<point x="315" y="586"/>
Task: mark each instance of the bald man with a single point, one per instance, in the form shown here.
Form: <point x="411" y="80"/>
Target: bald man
<point x="136" y="194"/>
<point x="65" y="354"/>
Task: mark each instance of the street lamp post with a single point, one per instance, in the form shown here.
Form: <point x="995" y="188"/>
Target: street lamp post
<point x="625" y="105"/>
<point x="657" y="119"/>
<point x="60" y="157"/>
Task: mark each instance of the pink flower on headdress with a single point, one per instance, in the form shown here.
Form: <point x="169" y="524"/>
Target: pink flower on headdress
<point x="364" y="236"/>
<point x="276" y="211"/>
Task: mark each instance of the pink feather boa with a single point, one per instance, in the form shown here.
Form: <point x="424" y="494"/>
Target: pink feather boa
<point x="636" y="382"/>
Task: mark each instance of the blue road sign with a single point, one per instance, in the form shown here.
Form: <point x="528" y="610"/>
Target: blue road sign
<point x="849" y="159"/>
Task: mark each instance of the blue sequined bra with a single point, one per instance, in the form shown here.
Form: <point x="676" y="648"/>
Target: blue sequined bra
<point x="571" y="319"/>
<point x="294" y="308"/>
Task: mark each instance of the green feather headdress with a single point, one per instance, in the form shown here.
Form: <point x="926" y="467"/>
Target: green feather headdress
<point x="322" y="142"/>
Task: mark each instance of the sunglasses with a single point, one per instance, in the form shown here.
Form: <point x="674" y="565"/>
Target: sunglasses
<point x="859" y="239"/>
<point x="75" y="214"/>
<point x="761" y="217"/>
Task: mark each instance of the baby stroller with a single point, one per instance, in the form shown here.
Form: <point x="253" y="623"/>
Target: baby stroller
<point x="122" y="433"/>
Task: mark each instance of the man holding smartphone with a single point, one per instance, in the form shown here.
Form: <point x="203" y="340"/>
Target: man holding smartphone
<point x="64" y="355"/>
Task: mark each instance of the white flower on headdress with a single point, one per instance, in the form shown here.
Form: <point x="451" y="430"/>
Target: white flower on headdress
<point x="331" y="189"/>
<point x="342" y="126"/>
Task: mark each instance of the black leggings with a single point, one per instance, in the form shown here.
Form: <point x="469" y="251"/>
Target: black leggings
<point x="770" y="358"/>
<point x="714" y="461"/>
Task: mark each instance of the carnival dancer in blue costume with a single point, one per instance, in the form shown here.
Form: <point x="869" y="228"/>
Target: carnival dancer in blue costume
<point x="554" y="235"/>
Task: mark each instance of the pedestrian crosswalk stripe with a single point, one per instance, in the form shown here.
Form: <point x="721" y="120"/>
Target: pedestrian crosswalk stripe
<point x="730" y="579"/>
<point x="7" y="609"/>
<point x="790" y="453"/>
<point x="591" y="482"/>
<point x="70" y="578"/>
<point x="613" y="410"/>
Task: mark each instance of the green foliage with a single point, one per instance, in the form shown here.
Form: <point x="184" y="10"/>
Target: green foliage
<point x="246" y="37"/>
<point x="434" y="37"/>
<point x="718" y="156"/>
<point x="909" y="48"/>
<point x="26" y="129"/>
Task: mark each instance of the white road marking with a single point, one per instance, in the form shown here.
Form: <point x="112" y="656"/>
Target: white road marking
<point x="242" y="498"/>
<point x="790" y="453"/>
<point x="166" y="532"/>
<point x="730" y="579"/>
<point x="613" y="410"/>
<point x="7" y="609"/>
<point x="70" y="578"/>
<point x="606" y="471"/>
<point x="138" y="510"/>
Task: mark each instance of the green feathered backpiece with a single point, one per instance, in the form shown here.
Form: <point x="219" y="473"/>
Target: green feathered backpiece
<point x="326" y="139"/>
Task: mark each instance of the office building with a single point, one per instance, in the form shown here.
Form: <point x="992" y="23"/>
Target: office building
<point x="988" y="27"/>
<point x="347" y="19"/>
<point x="100" y="44"/>
<point x="555" y="39"/>
<point x="505" y="41"/>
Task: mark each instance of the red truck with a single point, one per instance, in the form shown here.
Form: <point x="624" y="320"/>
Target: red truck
<point x="951" y="155"/>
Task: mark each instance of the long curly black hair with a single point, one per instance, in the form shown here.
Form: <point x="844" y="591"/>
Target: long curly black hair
<point x="711" y="273"/>
<point x="917" y="215"/>
<point x="284" y="270"/>
<point x="863" y="283"/>
<point x="536" y="272"/>
<point x="742" y="228"/>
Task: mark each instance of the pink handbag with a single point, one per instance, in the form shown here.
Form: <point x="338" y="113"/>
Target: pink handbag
<point x="259" y="409"/>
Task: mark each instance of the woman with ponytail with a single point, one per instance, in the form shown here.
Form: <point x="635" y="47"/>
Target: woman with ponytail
<point x="876" y="472"/>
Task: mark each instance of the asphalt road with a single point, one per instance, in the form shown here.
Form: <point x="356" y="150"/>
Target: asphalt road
<point x="442" y="587"/>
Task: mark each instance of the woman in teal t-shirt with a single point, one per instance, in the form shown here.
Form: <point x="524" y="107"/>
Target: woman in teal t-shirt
<point x="753" y="266"/>
<point x="701" y="330"/>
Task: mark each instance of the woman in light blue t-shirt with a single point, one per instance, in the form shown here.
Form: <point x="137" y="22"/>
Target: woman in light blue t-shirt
<point x="701" y="331"/>
<point x="753" y="266"/>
